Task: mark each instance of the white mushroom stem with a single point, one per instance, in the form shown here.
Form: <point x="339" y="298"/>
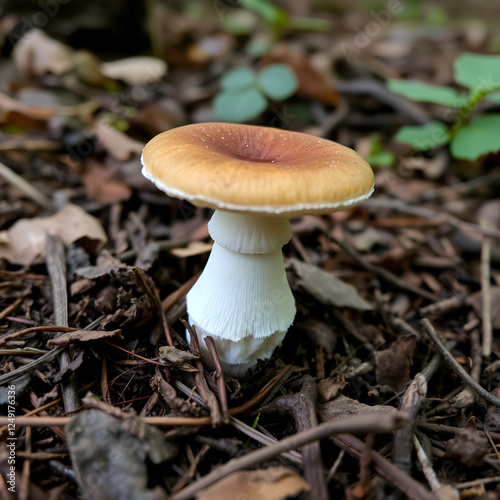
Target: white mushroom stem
<point x="242" y="299"/>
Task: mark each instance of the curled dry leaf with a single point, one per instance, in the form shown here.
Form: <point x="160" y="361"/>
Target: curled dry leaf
<point x="118" y="144"/>
<point x="467" y="446"/>
<point x="324" y="286"/>
<point x="140" y="70"/>
<point x="24" y="242"/>
<point x="274" y="483"/>
<point x="329" y="388"/>
<point x="393" y="364"/>
<point x="344" y="407"/>
<point x="36" y="53"/>
<point x="83" y="336"/>
<point x="173" y="355"/>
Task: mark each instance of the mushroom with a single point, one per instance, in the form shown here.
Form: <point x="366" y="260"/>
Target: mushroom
<point x="256" y="179"/>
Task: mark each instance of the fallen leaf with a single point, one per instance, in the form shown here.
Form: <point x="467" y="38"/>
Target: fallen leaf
<point x="492" y="417"/>
<point x="118" y="144"/>
<point x="176" y="356"/>
<point x="393" y="364"/>
<point x="277" y="483"/>
<point x="344" y="407"/>
<point x="476" y="301"/>
<point x="329" y="388"/>
<point x="36" y="53"/>
<point x="319" y="333"/>
<point x="324" y="286"/>
<point x="102" y="185"/>
<point x="192" y="249"/>
<point x="83" y="336"/>
<point x="24" y="242"/>
<point x="312" y="84"/>
<point x="467" y="446"/>
<point x="71" y="367"/>
<point x="139" y="70"/>
<point x="110" y="459"/>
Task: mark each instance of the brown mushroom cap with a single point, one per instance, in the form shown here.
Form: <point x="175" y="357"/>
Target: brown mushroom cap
<point x="262" y="170"/>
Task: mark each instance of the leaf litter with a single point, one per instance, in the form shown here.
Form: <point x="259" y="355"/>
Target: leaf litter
<point x="74" y="120"/>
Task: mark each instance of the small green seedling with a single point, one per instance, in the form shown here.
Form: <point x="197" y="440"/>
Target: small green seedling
<point x="469" y="138"/>
<point x="276" y="19"/>
<point x="378" y="157"/>
<point x="244" y="92"/>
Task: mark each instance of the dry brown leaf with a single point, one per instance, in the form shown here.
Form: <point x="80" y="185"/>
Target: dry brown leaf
<point x="24" y="242"/>
<point x="102" y="185"/>
<point x="139" y="70"/>
<point x="467" y="446"/>
<point x="312" y="83"/>
<point x="320" y="333"/>
<point x="83" y="336"/>
<point x="174" y="355"/>
<point x="193" y="248"/>
<point x="116" y="143"/>
<point x="329" y="388"/>
<point x="324" y="286"/>
<point x="344" y="407"/>
<point x="476" y="301"/>
<point x="393" y="364"/>
<point x="274" y="483"/>
<point x="37" y="53"/>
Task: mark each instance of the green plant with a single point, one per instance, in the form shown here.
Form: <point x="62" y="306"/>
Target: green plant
<point x="469" y="136"/>
<point x="276" y="19"/>
<point x="378" y="157"/>
<point x="244" y="92"/>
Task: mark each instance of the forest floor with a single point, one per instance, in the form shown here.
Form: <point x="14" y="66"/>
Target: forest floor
<point x="390" y="389"/>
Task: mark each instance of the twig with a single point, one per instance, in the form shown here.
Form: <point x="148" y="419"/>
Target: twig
<point x="449" y="429"/>
<point x="410" y="404"/>
<point x="174" y="297"/>
<point x="155" y="297"/>
<point x="410" y="487"/>
<point x="485" y="292"/>
<point x="293" y="456"/>
<point x="333" y="470"/>
<point x="302" y="407"/>
<point x="30" y="191"/>
<point x="23" y="370"/>
<point x="56" y="266"/>
<point x="25" y="479"/>
<point x="201" y="382"/>
<point x="32" y="329"/>
<point x="426" y="464"/>
<point x="403" y="207"/>
<point x="104" y="379"/>
<point x="456" y="367"/>
<point x="192" y="468"/>
<point x="219" y="375"/>
<point x="354" y="424"/>
<point x="383" y="273"/>
<point x="9" y="309"/>
<point x="443" y="306"/>
<point x="477" y="482"/>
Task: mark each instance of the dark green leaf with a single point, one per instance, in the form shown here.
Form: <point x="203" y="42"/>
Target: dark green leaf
<point x="420" y="91"/>
<point x="278" y="81"/>
<point x="424" y="137"/>
<point x="239" y="106"/>
<point x="477" y="138"/>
